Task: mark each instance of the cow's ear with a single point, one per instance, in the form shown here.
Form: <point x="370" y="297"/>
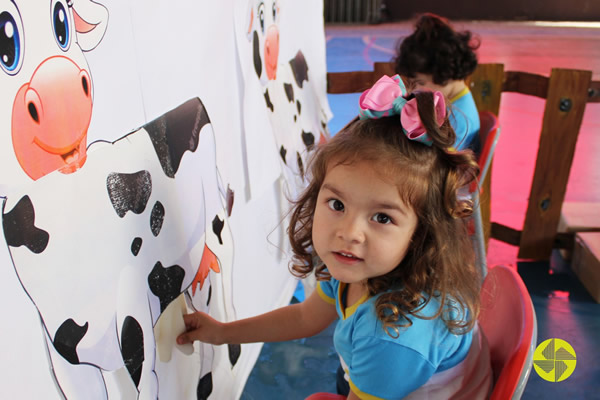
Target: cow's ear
<point x="91" y="20"/>
<point x="249" y="20"/>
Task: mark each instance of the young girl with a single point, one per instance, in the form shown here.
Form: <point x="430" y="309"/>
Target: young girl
<point x="381" y="226"/>
<point x="436" y="57"/>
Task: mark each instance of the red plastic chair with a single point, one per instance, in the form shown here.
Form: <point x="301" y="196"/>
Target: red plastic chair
<point x="325" y="396"/>
<point x="489" y="133"/>
<point x="508" y="321"/>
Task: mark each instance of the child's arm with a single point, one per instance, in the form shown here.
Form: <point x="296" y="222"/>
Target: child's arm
<point x="291" y="322"/>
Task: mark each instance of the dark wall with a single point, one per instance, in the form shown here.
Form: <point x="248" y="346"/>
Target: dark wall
<point x="544" y="10"/>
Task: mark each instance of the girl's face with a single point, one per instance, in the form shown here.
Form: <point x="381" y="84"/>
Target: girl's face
<point x="361" y="226"/>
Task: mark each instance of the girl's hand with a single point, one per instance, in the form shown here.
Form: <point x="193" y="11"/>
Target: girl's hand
<point x="201" y="326"/>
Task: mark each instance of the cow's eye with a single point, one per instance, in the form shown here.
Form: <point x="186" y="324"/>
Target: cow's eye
<point x="261" y="16"/>
<point x="61" y="25"/>
<point x="11" y="40"/>
<point x="274" y="11"/>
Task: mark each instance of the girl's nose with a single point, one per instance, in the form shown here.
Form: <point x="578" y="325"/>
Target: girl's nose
<point x="351" y="230"/>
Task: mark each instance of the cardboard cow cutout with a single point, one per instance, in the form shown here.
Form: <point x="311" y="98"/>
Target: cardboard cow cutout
<point x="103" y="238"/>
<point x="106" y="242"/>
<point x="153" y="236"/>
<point x="297" y="118"/>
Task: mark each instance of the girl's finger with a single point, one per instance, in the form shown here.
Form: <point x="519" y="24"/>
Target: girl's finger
<point x="184" y="338"/>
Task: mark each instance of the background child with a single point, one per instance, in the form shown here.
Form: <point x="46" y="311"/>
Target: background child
<point x="436" y="57"/>
<point x="381" y="226"/>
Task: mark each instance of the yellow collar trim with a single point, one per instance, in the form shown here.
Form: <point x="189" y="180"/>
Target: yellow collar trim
<point x="348" y="311"/>
<point x="322" y="295"/>
<point x="362" y="395"/>
<point x="462" y="93"/>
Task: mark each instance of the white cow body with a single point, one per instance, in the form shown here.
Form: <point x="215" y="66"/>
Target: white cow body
<point x="101" y="276"/>
<point x="298" y="120"/>
<point x="88" y="273"/>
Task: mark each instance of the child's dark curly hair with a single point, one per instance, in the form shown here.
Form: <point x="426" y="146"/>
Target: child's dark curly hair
<point x="436" y="49"/>
<point x="439" y="263"/>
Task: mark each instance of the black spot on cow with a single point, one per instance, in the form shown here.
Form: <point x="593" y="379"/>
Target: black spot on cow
<point x="298" y="106"/>
<point x="217" y="227"/>
<point x="157" y="217"/>
<point x="234" y="353"/>
<point x="67" y="337"/>
<point x="299" y="68"/>
<point x="268" y="101"/>
<point x="230" y="200"/>
<point x="300" y="164"/>
<point x="129" y="192"/>
<point x="132" y="348"/>
<point x="209" y="295"/>
<point x="295" y="118"/>
<point x="205" y="387"/>
<point x="20" y="230"/>
<point x="256" y="54"/>
<point x="136" y="245"/>
<point x="309" y="139"/>
<point x="176" y="132"/>
<point x="165" y="283"/>
<point x="283" y="153"/>
<point x="289" y="91"/>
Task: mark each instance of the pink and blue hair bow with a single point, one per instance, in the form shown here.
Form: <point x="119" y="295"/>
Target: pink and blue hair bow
<point x="388" y="97"/>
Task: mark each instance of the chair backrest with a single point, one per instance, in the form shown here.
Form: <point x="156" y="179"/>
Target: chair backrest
<point x="509" y="323"/>
<point x="489" y="132"/>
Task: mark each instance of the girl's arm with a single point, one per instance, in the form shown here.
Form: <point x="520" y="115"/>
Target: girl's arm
<point x="291" y="322"/>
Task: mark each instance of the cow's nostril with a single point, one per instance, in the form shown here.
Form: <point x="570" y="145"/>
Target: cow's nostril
<point x="33" y="112"/>
<point x="84" y="83"/>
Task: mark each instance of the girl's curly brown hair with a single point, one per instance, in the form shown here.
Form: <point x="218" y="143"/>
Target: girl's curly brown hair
<point x="436" y="49"/>
<point x="439" y="263"/>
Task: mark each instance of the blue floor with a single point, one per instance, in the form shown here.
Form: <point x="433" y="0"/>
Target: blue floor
<point x="293" y="370"/>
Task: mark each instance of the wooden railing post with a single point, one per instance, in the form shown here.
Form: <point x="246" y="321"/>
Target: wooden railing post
<point x="382" y="68"/>
<point x="486" y="86"/>
<point x="565" y="104"/>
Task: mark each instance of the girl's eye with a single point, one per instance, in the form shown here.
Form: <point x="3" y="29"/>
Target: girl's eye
<point x="335" y="205"/>
<point x="382" y="218"/>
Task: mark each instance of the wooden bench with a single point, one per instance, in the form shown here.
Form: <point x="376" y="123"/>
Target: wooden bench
<point x="586" y="261"/>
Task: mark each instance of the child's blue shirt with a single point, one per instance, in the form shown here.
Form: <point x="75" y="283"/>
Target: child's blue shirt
<point x="464" y="119"/>
<point x="383" y="367"/>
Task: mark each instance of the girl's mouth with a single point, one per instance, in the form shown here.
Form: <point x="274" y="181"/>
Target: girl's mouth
<point x="346" y="258"/>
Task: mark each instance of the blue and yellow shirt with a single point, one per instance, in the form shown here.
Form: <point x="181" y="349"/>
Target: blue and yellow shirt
<point x="464" y="118"/>
<point x="379" y="366"/>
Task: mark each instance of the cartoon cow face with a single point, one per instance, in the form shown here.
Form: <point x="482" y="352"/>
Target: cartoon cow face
<point x="263" y="32"/>
<point x="297" y="119"/>
<point x="46" y="85"/>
